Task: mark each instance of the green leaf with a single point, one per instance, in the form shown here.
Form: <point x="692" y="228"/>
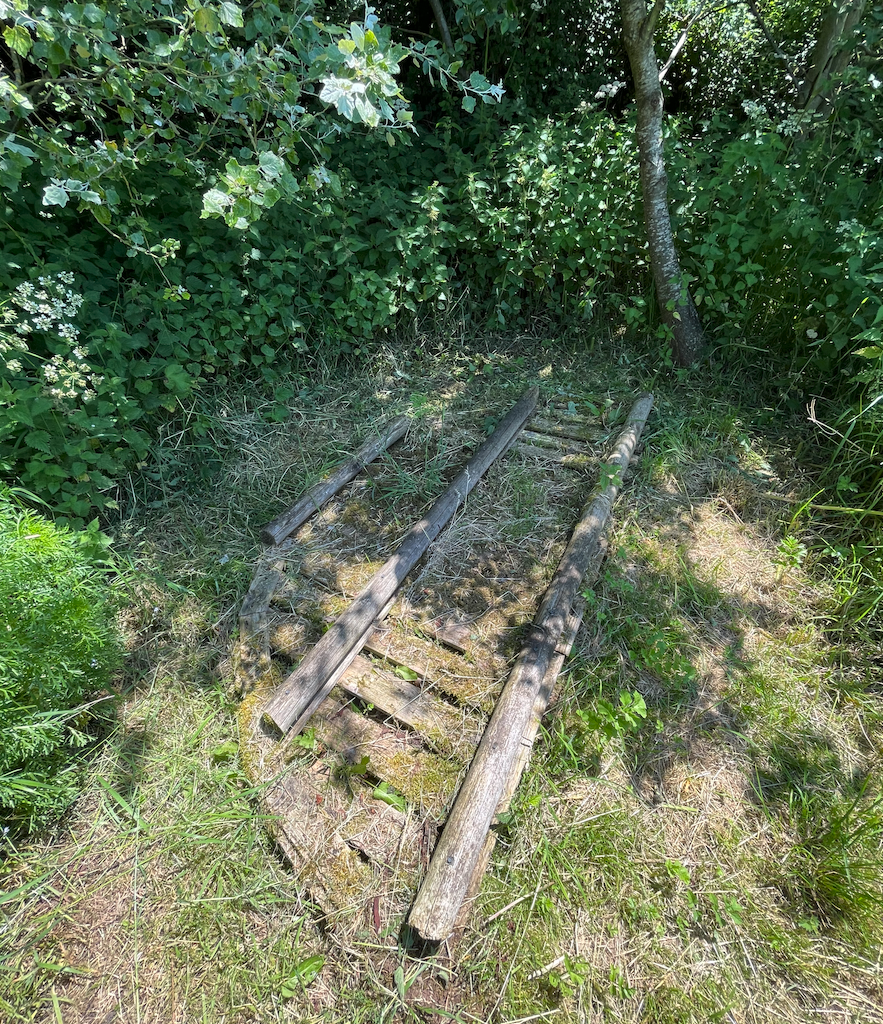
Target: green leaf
<point x="19" y="39"/>
<point x="231" y="14"/>
<point x="206" y="20"/>
<point x="271" y="165"/>
<point x="389" y="796"/>
<point x="304" y="973"/>
<point x="468" y="104"/>
<point x="54" y="195"/>
<point x="403" y="672"/>
<point x="678" y="870"/>
<point x="214" y="203"/>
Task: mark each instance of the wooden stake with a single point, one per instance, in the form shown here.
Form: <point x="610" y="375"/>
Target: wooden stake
<point x="284" y="525"/>
<point x="438" y="902"/>
<point x="305" y="689"/>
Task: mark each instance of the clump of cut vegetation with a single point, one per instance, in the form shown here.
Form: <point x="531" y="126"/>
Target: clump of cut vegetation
<point x="60" y="648"/>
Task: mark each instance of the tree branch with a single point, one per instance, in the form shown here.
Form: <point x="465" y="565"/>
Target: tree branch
<point x="652" y="19"/>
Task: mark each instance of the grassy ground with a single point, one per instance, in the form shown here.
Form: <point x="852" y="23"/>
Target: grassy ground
<point x="699" y="835"/>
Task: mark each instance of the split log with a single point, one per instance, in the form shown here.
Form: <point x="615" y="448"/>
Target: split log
<point x="305" y="689"/>
<point x="438" y="902"/>
<point x="284" y="525"/>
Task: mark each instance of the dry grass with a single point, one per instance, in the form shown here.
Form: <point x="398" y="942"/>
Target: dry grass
<point x="682" y="869"/>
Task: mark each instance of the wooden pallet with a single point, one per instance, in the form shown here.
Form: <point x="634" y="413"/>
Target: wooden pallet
<point x="357" y="800"/>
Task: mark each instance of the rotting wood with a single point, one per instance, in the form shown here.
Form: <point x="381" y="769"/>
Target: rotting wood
<point x="562" y="428"/>
<point x="251" y="656"/>
<point x="571" y="460"/>
<point x="398" y="757"/>
<point x="555" y="443"/>
<point x="284" y="525"/>
<point x="305" y="689"/>
<point x="435" y="910"/>
<point x="448" y="729"/>
<point x="472" y="683"/>
<point x="321" y="822"/>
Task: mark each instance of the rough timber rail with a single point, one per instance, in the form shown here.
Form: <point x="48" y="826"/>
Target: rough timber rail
<point x="399" y="697"/>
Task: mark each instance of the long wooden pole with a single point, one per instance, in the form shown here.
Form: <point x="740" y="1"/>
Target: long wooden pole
<point x="305" y="689"/>
<point x="284" y="525"/>
<point x="438" y="902"/>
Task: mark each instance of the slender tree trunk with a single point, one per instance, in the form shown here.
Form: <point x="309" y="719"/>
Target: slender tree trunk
<point x="442" y="24"/>
<point x="676" y="306"/>
<point x="829" y="56"/>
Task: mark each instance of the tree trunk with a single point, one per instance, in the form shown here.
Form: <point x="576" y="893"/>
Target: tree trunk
<point x="675" y="304"/>
<point x="829" y="56"/>
<point x="442" y="24"/>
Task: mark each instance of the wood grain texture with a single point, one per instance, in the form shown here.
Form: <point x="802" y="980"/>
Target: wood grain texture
<point x="438" y="902"/>
<point x="305" y="689"/>
<point x="446" y="728"/>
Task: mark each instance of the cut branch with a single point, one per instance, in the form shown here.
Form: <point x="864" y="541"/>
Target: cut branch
<point x="284" y="525"/>
<point x="438" y="902"/>
<point x="305" y="689"/>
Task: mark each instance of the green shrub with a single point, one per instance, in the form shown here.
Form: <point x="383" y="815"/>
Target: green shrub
<point x="59" y="648"/>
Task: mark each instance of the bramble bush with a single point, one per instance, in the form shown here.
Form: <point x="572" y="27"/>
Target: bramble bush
<point x="60" y="647"/>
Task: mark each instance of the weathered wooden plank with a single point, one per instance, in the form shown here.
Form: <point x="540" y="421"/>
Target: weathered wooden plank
<point x="473" y="683"/>
<point x="251" y="658"/>
<point x="521" y="762"/>
<point x="438" y="902"/>
<point x="320" y="823"/>
<point x="284" y="525"/>
<point x="446" y="728"/>
<point x="395" y="756"/>
<point x="565" y="428"/>
<point x="305" y="689"/>
<point x="562" y="652"/>
<point x="558" y="444"/>
<point x="569" y="460"/>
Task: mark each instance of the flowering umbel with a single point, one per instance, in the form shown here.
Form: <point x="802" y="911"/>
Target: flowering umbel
<point x="49" y="306"/>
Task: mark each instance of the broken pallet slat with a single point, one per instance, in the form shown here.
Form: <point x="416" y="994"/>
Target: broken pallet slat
<point x="559" y="428"/>
<point x="286" y="523"/>
<point x="557" y="444"/>
<point x="422" y="777"/>
<point x="305" y="689"/>
<point x="435" y="910"/>
<point x="445" y="727"/>
<point x="469" y="683"/>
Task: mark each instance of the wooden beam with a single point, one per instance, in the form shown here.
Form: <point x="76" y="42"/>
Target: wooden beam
<point x="284" y="525"/>
<point x="305" y="689"/>
<point x="438" y="902"/>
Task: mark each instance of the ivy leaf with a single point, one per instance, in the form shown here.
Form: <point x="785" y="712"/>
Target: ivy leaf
<point x="54" y="195"/>
<point x="231" y="14"/>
